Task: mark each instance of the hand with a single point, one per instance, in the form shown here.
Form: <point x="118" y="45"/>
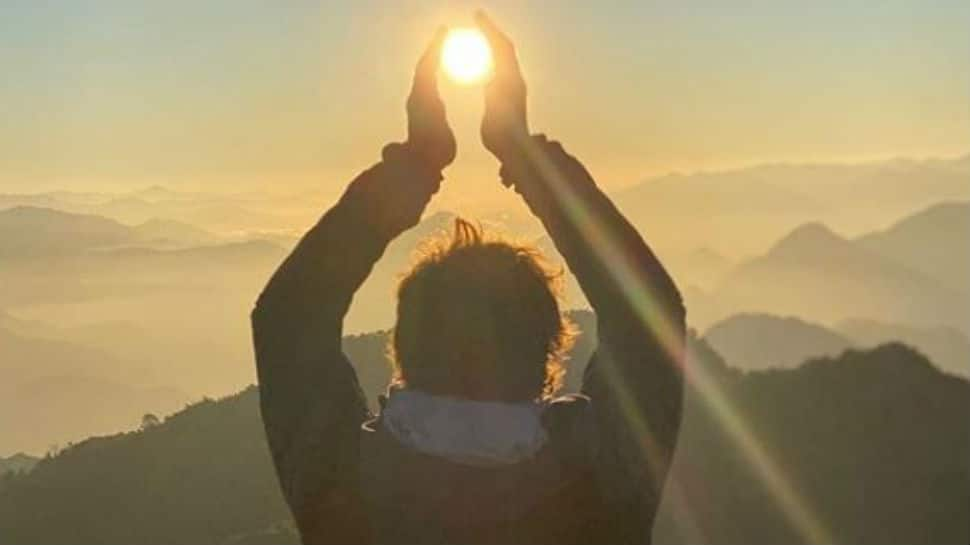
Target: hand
<point x="504" y="126"/>
<point x="428" y="132"/>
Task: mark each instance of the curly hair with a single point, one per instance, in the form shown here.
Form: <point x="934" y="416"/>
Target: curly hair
<point x="480" y="317"/>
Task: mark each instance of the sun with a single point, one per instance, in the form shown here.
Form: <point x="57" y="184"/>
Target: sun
<point x="466" y="56"/>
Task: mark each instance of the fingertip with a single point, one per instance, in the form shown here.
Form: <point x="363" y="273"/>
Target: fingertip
<point x="495" y="37"/>
<point x="439" y="37"/>
<point x="483" y="21"/>
<point x="484" y="18"/>
<point x="433" y="49"/>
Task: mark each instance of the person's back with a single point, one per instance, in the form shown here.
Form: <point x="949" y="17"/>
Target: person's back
<point x="420" y="498"/>
<point x="471" y="445"/>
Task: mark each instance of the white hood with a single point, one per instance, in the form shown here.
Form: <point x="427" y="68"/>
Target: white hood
<point x="477" y="433"/>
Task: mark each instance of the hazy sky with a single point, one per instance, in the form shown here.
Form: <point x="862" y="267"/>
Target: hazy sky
<point x="209" y="95"/>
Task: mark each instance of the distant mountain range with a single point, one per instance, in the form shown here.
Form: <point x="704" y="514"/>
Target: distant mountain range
<point x="30" y="350"/>
<point x="40" y="231"/>
<point x="853" y="441"/>
<point x="765" y="341"/>
<point x="818" y="275"/>
<point x="139" y="317"/>
<point x="739" y="212"/>
<point x="35" y="230"/>
<point x="734" y="212"/>
<point x="220" y="213"/>
<point x="947" y="347"/>
<point x="67" y="408"/>
<point x="69" y="391"/>
<point x="935" y="241"/>
<point x="169" y="298"/>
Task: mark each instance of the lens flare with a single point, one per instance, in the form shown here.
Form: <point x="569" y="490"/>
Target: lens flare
<point x="466" y="56"/>
<point x="792" y="504"/>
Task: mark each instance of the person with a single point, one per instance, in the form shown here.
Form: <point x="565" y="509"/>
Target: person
<point x="470" y="445"/>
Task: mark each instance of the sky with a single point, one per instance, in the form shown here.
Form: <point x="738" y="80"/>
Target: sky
<point x="284" y="95"/>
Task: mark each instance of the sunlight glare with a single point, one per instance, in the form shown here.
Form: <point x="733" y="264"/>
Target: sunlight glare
<point x="466" y="56"/>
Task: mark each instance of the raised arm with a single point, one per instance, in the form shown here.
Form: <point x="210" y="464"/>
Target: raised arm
<point x="635" y="377"/>
<point x="311" y="402"/>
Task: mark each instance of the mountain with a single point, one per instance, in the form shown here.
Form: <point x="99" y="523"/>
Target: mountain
<point x="129" y="273"/>
<point x="17" y="462"/>
<point x="220" y="213"/>
<point x="150" y="300"/>
<point x="32" y="230"/>
<point x="65" y="201"/>
<point x="763" y="341"/>
<point x="702" y="267"/>
<point x="735" y="212"/>
<point x="202" y="475"/>
<point x="872" y="446"/>
<point x="190" y="306"/>
<point x="947" y="347"/>
<point x="53" y="411"/>
<point x="28" y="357"/>
<point x="820" y="276"/>
<point x="933" y="241"/>
<point x="53" y="383"/>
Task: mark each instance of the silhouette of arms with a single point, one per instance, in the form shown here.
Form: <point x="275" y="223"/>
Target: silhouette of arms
<point x="311" y="402"/>
<point x="635" y="377"/>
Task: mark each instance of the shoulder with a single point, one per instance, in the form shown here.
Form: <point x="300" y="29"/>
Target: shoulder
<point x="571" y="427"/>
<point x="568" y="412"/>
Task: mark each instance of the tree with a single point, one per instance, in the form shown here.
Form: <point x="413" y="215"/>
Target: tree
<point x="149" y="421"/>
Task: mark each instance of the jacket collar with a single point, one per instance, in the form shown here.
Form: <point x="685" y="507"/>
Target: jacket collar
<point x="476" y="433"/>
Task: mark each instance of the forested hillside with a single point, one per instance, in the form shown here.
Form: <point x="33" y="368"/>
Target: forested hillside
<point x="872" y="445"/>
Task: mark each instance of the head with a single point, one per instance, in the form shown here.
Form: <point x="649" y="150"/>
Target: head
<point x="479" y="317"/>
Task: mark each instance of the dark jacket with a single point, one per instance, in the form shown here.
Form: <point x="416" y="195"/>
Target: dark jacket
<point x="599" y="480"/>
